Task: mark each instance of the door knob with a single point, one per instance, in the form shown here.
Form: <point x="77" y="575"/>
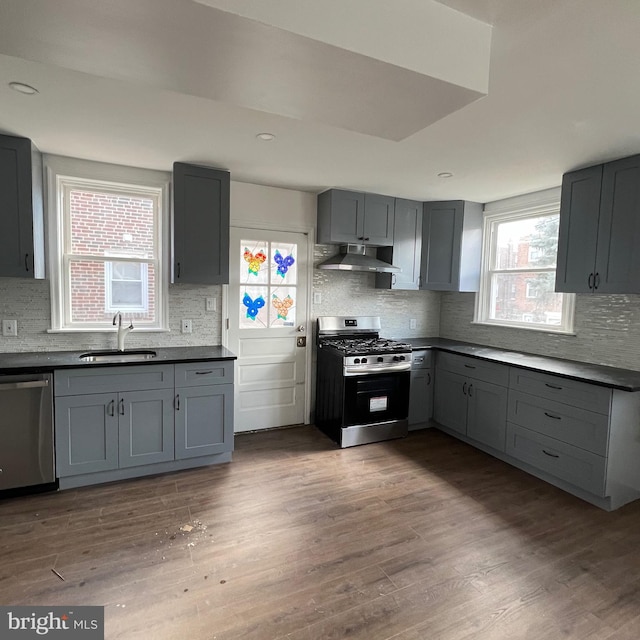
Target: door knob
<point x="301" y="328"/>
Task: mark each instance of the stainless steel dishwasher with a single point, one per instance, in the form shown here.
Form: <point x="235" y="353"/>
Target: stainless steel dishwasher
<point x="26" y="431"/>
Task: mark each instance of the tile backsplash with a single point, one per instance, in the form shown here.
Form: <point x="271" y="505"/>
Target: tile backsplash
<point x="607" y="330"/>
<point x="354" y="293"/>
<point x="28" y="302"/>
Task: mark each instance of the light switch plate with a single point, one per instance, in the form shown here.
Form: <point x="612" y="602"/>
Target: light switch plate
<point x="210" y="304"/>
<point x="412" y="323"/>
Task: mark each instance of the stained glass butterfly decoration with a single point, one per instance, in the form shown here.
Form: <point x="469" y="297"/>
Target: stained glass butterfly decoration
<point x="282" y="306"/>
<point x="253" y="306"/>
<point x="283" y="263"/>
<point x="254" y="260"/>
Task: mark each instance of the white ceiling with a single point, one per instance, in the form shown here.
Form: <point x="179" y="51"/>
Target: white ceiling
<point x="359" y="96"/>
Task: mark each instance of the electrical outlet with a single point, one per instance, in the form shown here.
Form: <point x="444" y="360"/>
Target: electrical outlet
<point x="413" y="323"/>
<point x="210" y="304"/>
<point x="317" y="297"/>
<point x="186" y="326"/>
<point x="10" y="328"/>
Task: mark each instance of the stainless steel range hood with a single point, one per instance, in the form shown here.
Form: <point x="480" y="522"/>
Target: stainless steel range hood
<point x="353" y="257"/>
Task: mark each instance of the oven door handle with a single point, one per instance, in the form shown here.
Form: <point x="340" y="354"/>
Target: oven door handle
<point x="371" y="369"/>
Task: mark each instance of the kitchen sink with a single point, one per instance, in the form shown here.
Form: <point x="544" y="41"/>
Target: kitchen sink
<point x="132" y="355"/>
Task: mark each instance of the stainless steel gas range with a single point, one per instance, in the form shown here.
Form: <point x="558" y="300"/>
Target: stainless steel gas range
<point x="362" y="381"/>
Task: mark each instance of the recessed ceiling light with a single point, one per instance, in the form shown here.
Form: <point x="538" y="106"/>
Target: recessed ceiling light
<point x="445" y="174"/>
<point x="266" y="136"/>
<point x="23" y="88"/>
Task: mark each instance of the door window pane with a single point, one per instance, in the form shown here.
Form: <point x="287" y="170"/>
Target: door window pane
<point x="284" y="269"/>
<point x="254" y="310"/>
<point x="254" y="265"/>
<point x="283" y="307"/>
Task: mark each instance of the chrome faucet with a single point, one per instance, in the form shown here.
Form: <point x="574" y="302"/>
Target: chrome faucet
<point x="122" y="331"/>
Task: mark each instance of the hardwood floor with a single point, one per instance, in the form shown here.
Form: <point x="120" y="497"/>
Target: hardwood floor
<point x="417" y="539"/>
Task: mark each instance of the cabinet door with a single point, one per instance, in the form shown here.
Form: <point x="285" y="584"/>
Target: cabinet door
<point x="441" y="245"/>
<point x="618" y="259"/>
<point x="86" y="429"/>
<point x="145" y="427"/>
<point x="406" y="250"/>
<point x="578" y="232"/>
<point x="487" y="413"/>
<point x="203" y="420"/>
<point x="450" y="404"/>
<point x="420" y="397"/>
<point x="200" y="224"/>
<point x="378" y="220"/>
<point x="340" y="217"/>
<point x="16" y="239"/>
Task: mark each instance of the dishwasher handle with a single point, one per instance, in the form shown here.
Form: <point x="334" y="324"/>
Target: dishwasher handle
<point x="29" y="384"/>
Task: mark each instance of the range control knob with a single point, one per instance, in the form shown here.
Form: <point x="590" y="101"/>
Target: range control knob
<point x="380" y="359"/>
<point x="356" y="361"/>
<point x="401" y="358"/>
<point x="398" y="358"/>
<point x="364" y="361"/>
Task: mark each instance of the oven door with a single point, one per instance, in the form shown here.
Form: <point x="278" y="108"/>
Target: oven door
<point x="373" y="398"/>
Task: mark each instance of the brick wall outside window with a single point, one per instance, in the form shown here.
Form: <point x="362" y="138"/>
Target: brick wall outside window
<point x="105" y="224"/>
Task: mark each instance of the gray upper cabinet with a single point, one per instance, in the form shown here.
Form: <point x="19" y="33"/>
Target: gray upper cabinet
<point x="600" y="229"/>
<point x="350" y="217"/>
<point x="451" y="246"/>
<point x="22" y="230"/>
<point x="200" y="224"/>
<point x="406" y="250"/>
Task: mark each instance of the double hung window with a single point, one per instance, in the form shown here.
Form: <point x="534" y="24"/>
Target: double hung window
<point x="107" y="245"/>
<point x="519" y="267"/>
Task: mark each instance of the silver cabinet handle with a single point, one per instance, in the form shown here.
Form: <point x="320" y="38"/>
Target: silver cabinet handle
<point x="121" y="406"/>
<point x="177" y="402"/>
<point x="464" y="388"/>
<point x="111" y="408"/>
<point x="203" y="373"/>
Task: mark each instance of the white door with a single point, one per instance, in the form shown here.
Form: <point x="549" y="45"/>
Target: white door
<point x="267" y="308"/>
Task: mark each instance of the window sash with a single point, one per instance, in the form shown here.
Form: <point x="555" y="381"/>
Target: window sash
<point x="483" y="306"/>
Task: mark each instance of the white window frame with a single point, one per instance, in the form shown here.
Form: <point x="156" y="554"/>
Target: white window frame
<point x="528" y="206"/>
<point x="61" y="173"/>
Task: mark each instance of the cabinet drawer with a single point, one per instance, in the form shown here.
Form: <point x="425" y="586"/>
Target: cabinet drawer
<point x="422" y="359"/>
<point x="474" y="368"/>
<point x="71" y="382"/>
<point x="198" y="374"/>
<point x="564" y="461"/>
<point x="585" y="429"/>
<point x="580" y="394"/>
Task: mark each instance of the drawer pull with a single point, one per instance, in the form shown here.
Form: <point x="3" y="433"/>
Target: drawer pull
<point x="203" y="373"/>
<point x="552" y="455"/>
<point x="464" y="388"/>
<point x="550" y="415"/>
<point x="111" y="408"/>
<point x="469" y="366"/>
<point x="552" y="386"/>
<point x="428" y="378"/>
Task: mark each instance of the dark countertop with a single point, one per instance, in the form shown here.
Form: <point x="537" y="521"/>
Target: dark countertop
<point x="46" y="361"/>
<point x="624" y="379"/>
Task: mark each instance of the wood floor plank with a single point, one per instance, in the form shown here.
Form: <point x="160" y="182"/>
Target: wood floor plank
<point x="422" y="538"/>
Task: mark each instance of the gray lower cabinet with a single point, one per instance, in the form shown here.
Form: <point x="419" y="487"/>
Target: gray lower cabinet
<point x="471" y="398"/>
<point x="421" y="393"/>
<point x="135" y="429"/>
<point x="204" y="409"/>
<point x="104" y="431"/>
